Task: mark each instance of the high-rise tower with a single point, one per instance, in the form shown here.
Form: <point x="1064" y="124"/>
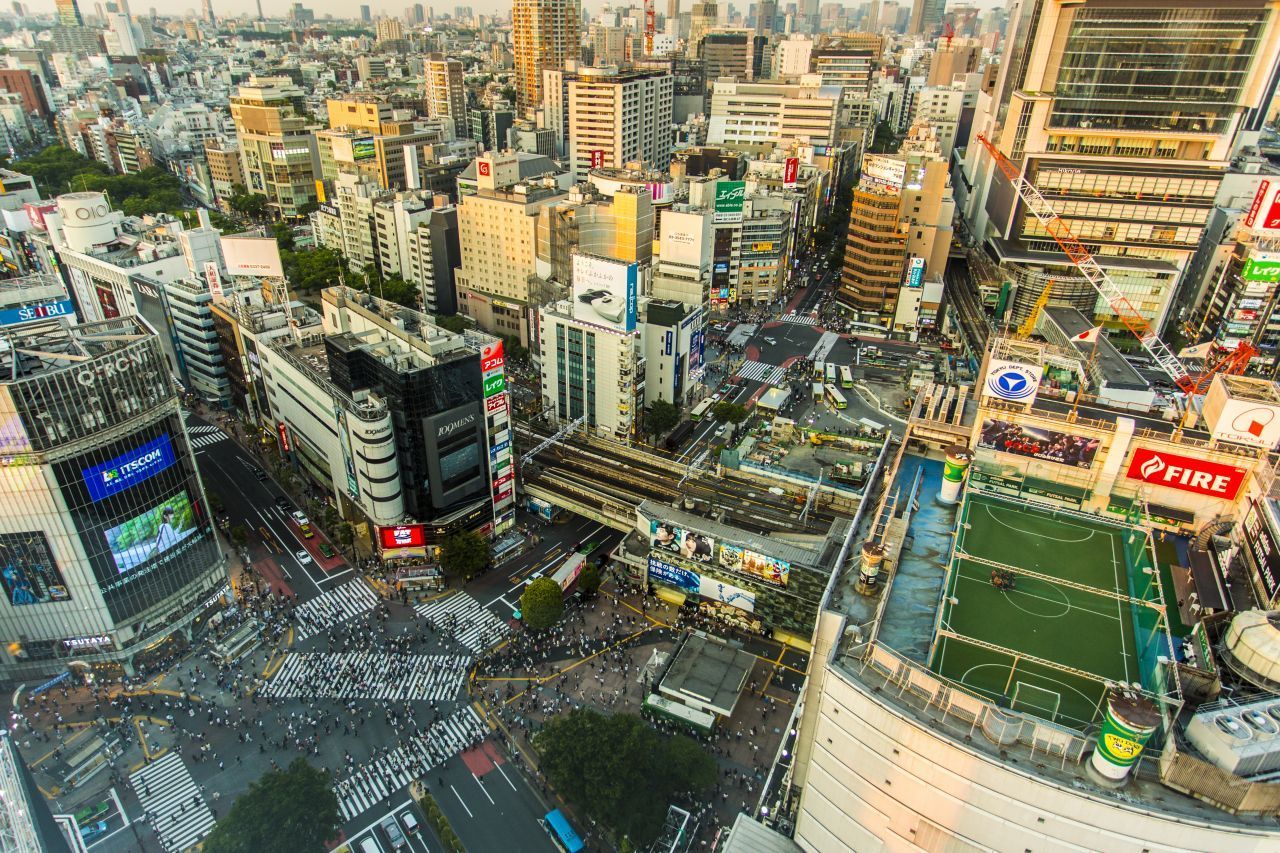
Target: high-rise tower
<point x="545" y="34"/>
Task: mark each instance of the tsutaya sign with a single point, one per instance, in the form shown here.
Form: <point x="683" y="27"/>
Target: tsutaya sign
<point x="1186" y="473"/>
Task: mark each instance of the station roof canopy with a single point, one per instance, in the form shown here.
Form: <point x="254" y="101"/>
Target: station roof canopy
<point x="707" y="674"/>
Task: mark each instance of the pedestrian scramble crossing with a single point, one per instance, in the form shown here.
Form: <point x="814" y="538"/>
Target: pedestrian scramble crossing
<point x="799" y="319"/>
<point x="369" y="675"/>
<point x="758" y="371"/>
<point x="172" y="802"/>
<point x="470" y="622"/>
<point x="390" y="771"/>
<point x="205" y="435"/>
<point x="332" y="608"/>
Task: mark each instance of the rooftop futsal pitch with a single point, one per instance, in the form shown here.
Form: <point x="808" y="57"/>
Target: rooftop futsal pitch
<point x="1044" y="609"/>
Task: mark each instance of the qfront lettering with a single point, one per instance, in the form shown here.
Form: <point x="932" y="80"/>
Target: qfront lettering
<point x="109" y="368"/>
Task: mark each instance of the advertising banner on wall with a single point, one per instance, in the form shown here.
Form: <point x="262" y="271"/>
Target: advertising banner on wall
<point x="152" y="533"/>
<point x="883" y="170"/>
<point x="129" y="469"/>
<point x="491" y="358"/>
<point x="729" y="199"/>
<point x="718" y="590"/>
<point x="915" y="271"/>
<point x="1261" y="269"/>
<point x="790" y="172"/>
<point x="363" y="148"/>
<point x="213" y="279"/>
<point x="750" y="563"/>
<point x="1262" y="546"/>
<point x="1245" y="421"/>
<point x="43" y="311"/>
<point x="1012" y="380"/>
<point x="256" y="256"/>
<point x="1186" y="473"/>
<point x="1035" y="443"/>
<point x="403" y="536"/>
<point x="605" y="292"/>
<point x="665" y="536"/>
<point x="1263" y="190"/>
<point x="495" y="384"/>
<point x="28" y="571"/>
<point x="673" y="575"/>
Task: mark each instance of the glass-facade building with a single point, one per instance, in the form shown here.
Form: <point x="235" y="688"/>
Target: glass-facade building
<point x="106" y="543"/>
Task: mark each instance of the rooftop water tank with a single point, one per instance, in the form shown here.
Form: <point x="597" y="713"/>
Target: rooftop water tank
<point x="1252" y="644"/>
<point x="87" y="220"/>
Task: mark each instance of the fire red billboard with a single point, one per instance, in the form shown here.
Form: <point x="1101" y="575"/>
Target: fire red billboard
<point x="791" y="171"/>
<point x="1186" y="473"/>
<point x="403" y="536"/>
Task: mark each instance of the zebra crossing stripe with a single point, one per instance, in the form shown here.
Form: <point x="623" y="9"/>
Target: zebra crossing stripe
<point x="473" y="625"/>
<point x="179" y="815"/>
<point x="332" y="608"/>
<point x="199" y="441"/>
<point x="369" y="675"/>
<point x="373" y="781"/>
<point x="799" y="319"/>
<point x="758" y="371"/>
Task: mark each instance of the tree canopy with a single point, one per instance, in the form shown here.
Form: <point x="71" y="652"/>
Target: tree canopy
<point x="58" y="170"/>
<point x="542" y="603"/>
<point x="286" y="811"/>
<point x="621" y="772"/>
<point x="726" y="412"/>
<point x="465" y="553"/>
<point x="660" y="417"/>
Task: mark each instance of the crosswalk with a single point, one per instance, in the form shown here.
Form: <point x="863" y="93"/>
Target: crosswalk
<point x="758" y="371"/>
<point x="471" y="623"/>
<point x="178" y="813"/>
<point x="369" y="675"/>
<point x="205" y="435"/>
<point x="331" y="608"/>
<point x="375" y="780"/>
<point x="799" y="319"/>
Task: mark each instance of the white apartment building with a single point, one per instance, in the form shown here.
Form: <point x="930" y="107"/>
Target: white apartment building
<point x="791" y="57"/>
<point x="616" y="118"/>
<point x="446" y="95"/>
<point x="757" y="116"/>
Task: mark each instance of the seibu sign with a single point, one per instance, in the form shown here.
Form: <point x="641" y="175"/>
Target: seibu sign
<point x="1186" y="473"/>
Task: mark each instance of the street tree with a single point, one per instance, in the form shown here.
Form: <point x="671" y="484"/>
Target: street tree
<point x="542" y="603"/>
<point x="465" y="553"/>
<point x="726" y="412"/>
<point x="620" y="771"/>
<point x="660" y="417"/>
<point x="293" y="810"/>
<point x="589" y="580"/>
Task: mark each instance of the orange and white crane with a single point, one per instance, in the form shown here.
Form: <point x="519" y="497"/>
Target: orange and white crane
<point x="649" y="16"/>
<point x="1235" y="361"/>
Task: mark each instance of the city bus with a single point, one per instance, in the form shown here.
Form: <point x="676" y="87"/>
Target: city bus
<point x="846" y="377"/>
<point x="819" y="370"/>
<point x="817" y="392"/>
<point x="701" y="409"/>
<point x="831" y="374"/>
<point x="835" y="398"/>
<point x="564" y="835"/>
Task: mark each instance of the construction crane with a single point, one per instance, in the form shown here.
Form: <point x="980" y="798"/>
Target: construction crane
<point x="1028" y="327"/>
<point x="948" y="33"/>
<point x="649" y="16"/>
<point x="1164" y="357"/>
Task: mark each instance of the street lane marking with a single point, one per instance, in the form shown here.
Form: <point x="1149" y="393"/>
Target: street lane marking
<point x="464" y="802"/>
<point x="486" y="793"/>
<point x="508" y="778"/>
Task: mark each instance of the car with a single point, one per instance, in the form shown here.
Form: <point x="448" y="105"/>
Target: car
<point x="298" y="517"/>
<point x="326" y="549"/>
<point x="284" y="504"/>
<point x="303" y="556"/>
<point x="307" y="532"/>
<point x="93" y="831"/>
<point x="368" y="845"/>
<point x="89" y="814"/>
<point x="393" y="833"/>
<point x="773" y="342"/>
<point x="410" y="822"/>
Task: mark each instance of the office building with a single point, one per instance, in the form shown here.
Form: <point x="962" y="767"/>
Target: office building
<point x="497" y="237"/>
<point x="618" y="226"/>
<point x="277" y="143"/>
<point x="108" y="539"/>
<point x="619" y="118"/>
<point x="226" y="170"/>
<point x="755" y="117"/>
<point x="899" y="233"/>
<point x="926" y="17"/>
<point x="488" y="128"/>
<point x="422" y="413"/>
<point x="544" y="34"/>
<point x="1092" y="101"/>
<point x="704" y="16"/>
<point x="366" y="14"/>
<point x="69" y="13"/>
<point x="446" y="95"/>
<point x="732" y="53"/>
<point x="388" y="30"/>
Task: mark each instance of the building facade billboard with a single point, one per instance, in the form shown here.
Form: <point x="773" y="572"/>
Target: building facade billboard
<point x="605" y="292"/>
<point x="42" y="311"/>
<point x="1035" y="443"/>
<point x="28" y="571"/>
<point x="129" y="469"/>
<point x="884" y="170"/>
<point x="715" y="589"/>
<point x="1012" y="380"/>
<point x="1262" y="547"/>
<point x="256" y="256"/>
<point x="729" y="199"/>
<point x="153" y="533"/>
<point x="1186" y="473"/>
<point x="402" y="536"/>
<point x="666" y="536"/>
<point x="752" y="563"/>
<point x="1265" y="269"/>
